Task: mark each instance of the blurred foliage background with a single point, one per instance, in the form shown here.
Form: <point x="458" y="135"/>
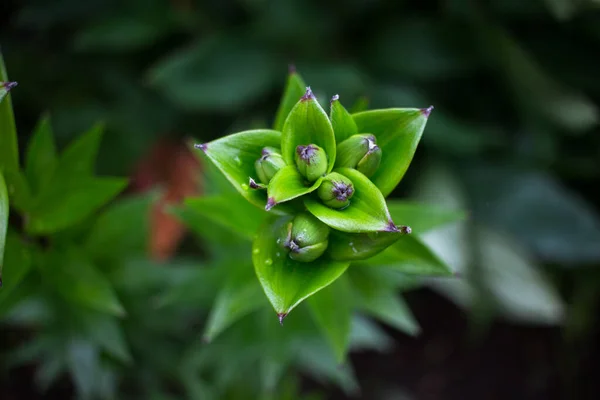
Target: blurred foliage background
<point x="513" y="139"/>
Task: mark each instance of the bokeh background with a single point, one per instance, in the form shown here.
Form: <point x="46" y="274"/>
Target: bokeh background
<point x="513" y="139"/>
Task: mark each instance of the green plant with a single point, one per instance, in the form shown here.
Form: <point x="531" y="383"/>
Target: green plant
<point x="302" y="243"/>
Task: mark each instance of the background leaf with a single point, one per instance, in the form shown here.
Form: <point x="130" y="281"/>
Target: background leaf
<point x="398" y="132"/>
<point x="287" y="282"/>
<point x="345" y="246"/>
<point x="367" y="211"/>
<point x="41" y="158"/>
<point x="332" y="310"/>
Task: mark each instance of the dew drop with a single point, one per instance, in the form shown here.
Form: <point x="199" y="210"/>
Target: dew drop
<point x="278" y="240"/>
<point x="268" y="261"/>
<point x="278" y="254"/>
<point x="255" y="251"/>
<point x="238" y="160"/>
<point x="244" y="186"/>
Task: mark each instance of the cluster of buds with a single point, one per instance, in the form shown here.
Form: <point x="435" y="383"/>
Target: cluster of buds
<point x="328" y="172"/>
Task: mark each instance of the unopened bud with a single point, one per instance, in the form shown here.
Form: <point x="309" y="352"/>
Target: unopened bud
<point x="311" y="161"/>
<point x="306" y="238"/>
<point x="360" y="152"/>
<point x="336" y="190"/>
<point x="268" y="164"/>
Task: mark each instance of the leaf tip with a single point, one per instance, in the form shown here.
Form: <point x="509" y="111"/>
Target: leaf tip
<point x="270" y="204"/>
<point x="391" y="227"/>
<point x="426" y="111"/>
<point x="9" y="85"/>
<point x="253" y="185"/>
<point x="291" y="69"/>
<point x="201" y="146"/>
<point x="281" y="317"/>
<point x="335" y="97"/>
<point x="308" y="95"/>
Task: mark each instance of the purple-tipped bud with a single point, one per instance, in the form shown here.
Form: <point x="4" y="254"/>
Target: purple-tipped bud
<point x="254" y="185"/>
<point x="335" y="97"/>
<point x="305" y="238"/>
<point x="268" y="164"/>
<point x="9" y="85"/>
<point x="281" y="317"/>
<point x="311" y="161"/>
<point x="270" y="204"/>
<point x="426" y="111"/>
<point x="201" y="146"/>
<point x="360" y="152"/>
<point x="336" y="190"/>
<point x="308" y="95"/>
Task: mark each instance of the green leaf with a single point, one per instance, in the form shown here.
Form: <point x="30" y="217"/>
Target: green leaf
<point x="332" y="310"/>
<point x="20" y="193"/>
<point x="80" y="282"/>
<point x="410" y="255"/>
<point x="3" y="221"/>
<point x="235" y="156"/>
<point x="398" y="131"/>
<point x="287" y="282"/>
<point x="294" y="89"/>
<point x="67" y="203"/>
<point x="240" y="296"/>
<point x="379" y="299"/>
<point x="288" y="184"/>
<point x="229" y="211"/>
<point x="41" y="158"/>
<point x="18" y="260"/>
<point x="79" y="158"/>
<point x="9" y="151"/>
<point x="124" y="228"/>
<point x="367" y="211"/>
<point x="341" y="120"/>
<point x="423" y="217"/>
<point x="306" y="124"/>
<point x="106" y="332"/>
<point x="345" y="246"/>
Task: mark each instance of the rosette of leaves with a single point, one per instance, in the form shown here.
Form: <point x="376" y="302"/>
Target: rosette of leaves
<point x="322" y="180"/>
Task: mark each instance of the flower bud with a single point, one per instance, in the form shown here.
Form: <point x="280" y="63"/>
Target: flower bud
<point x="268" y="164"/>
<point x="306" y="238"/>
<point x="360" y="152"/>
<point x="311" y="161"/>
<point x="336" y="190"/>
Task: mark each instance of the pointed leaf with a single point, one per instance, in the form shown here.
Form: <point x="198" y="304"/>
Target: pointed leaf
<point x="79" y="281"/>
<point x="106" y="332"/>
<point x="411" y="256"/>
<point x="79" y="158"/>
<point x="240" y="296"/>
<point x="306" y="124"/>
<point x="288" y="184"/>
<point x="423" y="217"/>
<point x="332" y="310"/>
<point x="341" y="120"/>
<point x="66" y="203"/>
<point x="17" y="262"/>
<point x="398" y="132"/>
<point x="9" y="151"/>
<point x="345" y="246"/>
<point x="294" y="89"/>
<point x="41" y="158"/>
<point x="287" y="282"/>
<point x="3" y="220"/>
<point x="230" y="211"/>
<point x="367" y="211"/>
<point x="380" y="300"/>
<point x="235" y="156"/>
